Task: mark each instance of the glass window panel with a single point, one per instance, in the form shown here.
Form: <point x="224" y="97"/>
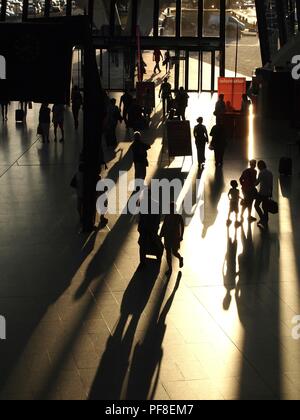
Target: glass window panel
<point x="123" y="17"/>
<point x="101" y="17"/>
<point x="103" y="66"/>
<point x="57" y="8"/>
<point x="14" y="12"/>
<point x="117" y="71"/>
<point x="167" y="18"/>
<point x="206" y="71"/>
<point x="211" y="18"/>
<point x="145" y="17"/>
<point x="243" y="45"/>
<point x="182" y="69"/>
<point x="189" y="18"/>
<point x="217" y="69"/>
<point x="194" y="70"/>
<point x="77" y="74"/>
<point x="80" y="7"/>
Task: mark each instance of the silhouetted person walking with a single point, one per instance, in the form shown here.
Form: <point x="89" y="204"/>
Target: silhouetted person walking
<point x="265" y="182"/>
<point x="165" y="93"/>
<point x="167" y="61"/>
<point x="172" y="231"/>
<point x="149" y="240"/>
<point x="140" y="156"/>
<point x="77" y="102"/>
<point x="234" y="205"/>
<point x="126" y="101"/>
<point x="201" y="137"/>
<point x="248" y="183"/>
<point x="114" y="117"/>
<point x="157" y="57"/>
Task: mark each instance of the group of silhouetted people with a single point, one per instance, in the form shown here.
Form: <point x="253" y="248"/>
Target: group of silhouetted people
<point x="178" y="105"/>
<point x="58" y="117"/>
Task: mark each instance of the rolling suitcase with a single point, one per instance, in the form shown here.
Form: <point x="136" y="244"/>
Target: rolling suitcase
<point x="19" y="115"/>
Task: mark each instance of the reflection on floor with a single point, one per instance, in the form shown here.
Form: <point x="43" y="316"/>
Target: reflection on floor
<point x="83" y="323"/>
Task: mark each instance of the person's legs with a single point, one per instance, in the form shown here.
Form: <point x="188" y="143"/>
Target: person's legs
<point x="75" y="111"/>
<point x="169" y="259"/>
<point x="125" y="117"/>
<point x="61" y="126"/>
<point x="157" y="67"/>
<point x="55" y="131"/>
<point x="47" y="129"/>
<point x="178" y="256"/>
<point x="229" y="218"/>
<point x="265" y="210"/>
<point x="142" y="255"/>
<point x="140" y="171"/>
<point x="222" y="153"/>
<point x="164" y="101"/>
<point x="257" y="205"/>
<point x="2" y="110"/>
<point x="217" y="159"/>
<point x="44" y="134"/>
<point x="201" y="154"/>
<point x="6" y="112"/>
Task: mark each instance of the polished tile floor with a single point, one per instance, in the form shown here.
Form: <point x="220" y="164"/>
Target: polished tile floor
<point x="83" y="323"/>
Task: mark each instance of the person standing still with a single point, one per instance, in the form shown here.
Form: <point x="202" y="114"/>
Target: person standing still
<point x="265" y="182"/>
<point x="77" y="103"/>
<point x="201" y="137"/>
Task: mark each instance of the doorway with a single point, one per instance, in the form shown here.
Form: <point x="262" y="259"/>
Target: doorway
<point x="197" y="71"/>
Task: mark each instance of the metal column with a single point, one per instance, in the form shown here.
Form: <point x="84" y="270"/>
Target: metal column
<point x="263" y="31"/>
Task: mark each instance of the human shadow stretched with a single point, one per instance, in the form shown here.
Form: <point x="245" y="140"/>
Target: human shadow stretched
<point x="108" y="383"/>
<point x="148" y="355"/>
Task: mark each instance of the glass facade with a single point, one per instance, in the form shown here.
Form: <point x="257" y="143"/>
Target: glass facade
<point x="199" y="33"/>
<point x="211" y="18"/>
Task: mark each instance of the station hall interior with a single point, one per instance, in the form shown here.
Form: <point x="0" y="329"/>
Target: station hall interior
<point x="79" y="318"/>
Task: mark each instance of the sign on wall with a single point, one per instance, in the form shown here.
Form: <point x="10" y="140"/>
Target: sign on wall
<point x="233" y="88"/>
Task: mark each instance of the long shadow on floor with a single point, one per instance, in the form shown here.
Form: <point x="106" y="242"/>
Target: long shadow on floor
<point x="212" y="199"/>
<point x="25" y="314"/>
<point x="115" y="362"/>
<point x="147" y="358"/>
<point x="258" y="310"/>
<point x="100" y="266"/>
